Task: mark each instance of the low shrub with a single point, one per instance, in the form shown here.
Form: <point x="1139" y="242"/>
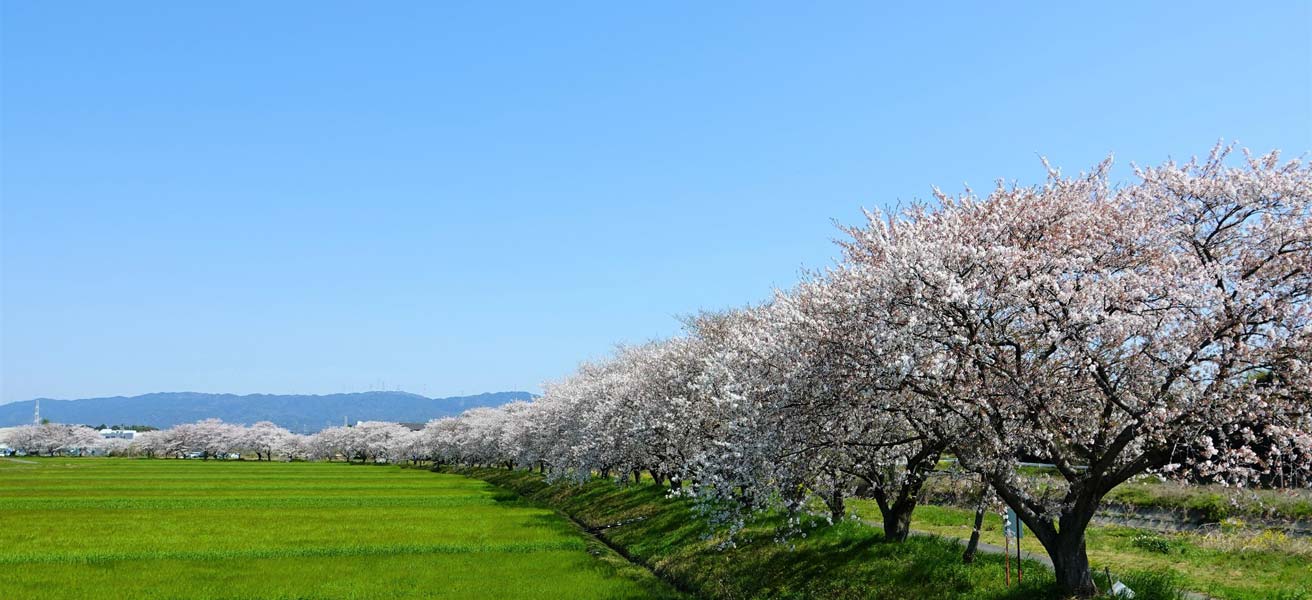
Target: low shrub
<point x="1146" y="585"/>
<point x="1152" y="543"/>
<point x="1303" y="594"/>
<point x="1211" y="508"/>
<point x="1301" y="509"/>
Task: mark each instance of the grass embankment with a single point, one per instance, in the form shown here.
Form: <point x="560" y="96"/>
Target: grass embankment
<point x="1237" y="565"/>
<point x="121" y="528"/>
<point x="849" y="560"/>
<point x="1212" y="503"/>
<point x="1209" y="503"/>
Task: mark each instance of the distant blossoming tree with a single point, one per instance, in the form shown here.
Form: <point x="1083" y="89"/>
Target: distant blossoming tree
<point x="266" y="439"/>
<point x="54" y="438"/>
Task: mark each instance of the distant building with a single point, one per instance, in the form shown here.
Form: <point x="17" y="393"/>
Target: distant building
<point x="122" y="434"/>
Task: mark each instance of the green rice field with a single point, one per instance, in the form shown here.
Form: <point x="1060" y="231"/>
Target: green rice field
<point x="141" y="528"/>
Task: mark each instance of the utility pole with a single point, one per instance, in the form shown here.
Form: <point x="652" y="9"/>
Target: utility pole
<point x="36" y="414"/>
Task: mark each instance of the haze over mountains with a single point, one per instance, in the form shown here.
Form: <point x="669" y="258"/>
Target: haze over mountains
<point x="299" y="413"/>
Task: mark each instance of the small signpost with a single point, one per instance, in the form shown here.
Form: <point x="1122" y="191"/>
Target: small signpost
<point x="1012" y="527"/>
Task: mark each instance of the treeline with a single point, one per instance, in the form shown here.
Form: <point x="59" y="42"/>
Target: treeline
<point x="213" y="438"/>
<point x="124" y="427"/>
<point x="1161" y="326"/>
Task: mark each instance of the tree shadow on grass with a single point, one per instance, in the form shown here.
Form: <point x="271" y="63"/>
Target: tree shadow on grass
<point x="847" y="560"/>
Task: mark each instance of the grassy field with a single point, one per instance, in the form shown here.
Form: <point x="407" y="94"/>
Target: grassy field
<point x="122" y="528"/>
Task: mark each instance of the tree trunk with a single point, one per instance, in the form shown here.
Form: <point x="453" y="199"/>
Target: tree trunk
<point x="1071" y="566"/>
<point x="897" y="514"/>
<point x="1063" y="540"/>
<point x="837" y="507"/>
<point x="897" y="521"/>
<point x="973" y="545"/>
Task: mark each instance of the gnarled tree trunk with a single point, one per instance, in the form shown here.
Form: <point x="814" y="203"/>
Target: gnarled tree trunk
<point x="1063" y="539"/>
<point x="897" y="520"/>
<point x="1071" y="565"/>
<point x="971" y="547"/>
<point x="896" y="505"/>
<point x="837" y="506"/>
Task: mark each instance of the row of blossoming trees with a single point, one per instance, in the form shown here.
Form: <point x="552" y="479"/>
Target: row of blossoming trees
<point x="212" y="438"/>
<point x="1160" y="326"/>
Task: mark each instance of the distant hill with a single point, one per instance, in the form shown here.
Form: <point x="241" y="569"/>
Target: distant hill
<point x="299" y="413"/>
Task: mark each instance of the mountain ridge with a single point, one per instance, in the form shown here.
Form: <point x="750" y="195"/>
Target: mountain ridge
<point x="302" y="413"/>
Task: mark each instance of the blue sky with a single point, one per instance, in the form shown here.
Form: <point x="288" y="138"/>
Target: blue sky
<point x="318" y="197"/>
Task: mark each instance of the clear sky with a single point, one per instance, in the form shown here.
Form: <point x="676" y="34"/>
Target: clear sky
<point x="317" y="197"/>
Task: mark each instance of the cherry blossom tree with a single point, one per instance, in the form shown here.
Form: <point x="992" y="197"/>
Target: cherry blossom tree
<point x="1109" y="331"/>
<point x="646" y="411"/>
<point x="54" y="438"/>
<point x="410" y="445"/>
<point x="851" y="393"/>
<point x="114" y="446"/>
<point x="440" y="438"/>
<point x="367" y="441"/>
<point x="265" y="439"/>
<point x="576" y="413"/>
<point x="148" y="444"/>
<point x="759" y="449"/>
<point x="25" y="438"/>
<point x="211" y="437"/>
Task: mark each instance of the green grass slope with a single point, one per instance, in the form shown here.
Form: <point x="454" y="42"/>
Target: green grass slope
<point x="845" y="561"/>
